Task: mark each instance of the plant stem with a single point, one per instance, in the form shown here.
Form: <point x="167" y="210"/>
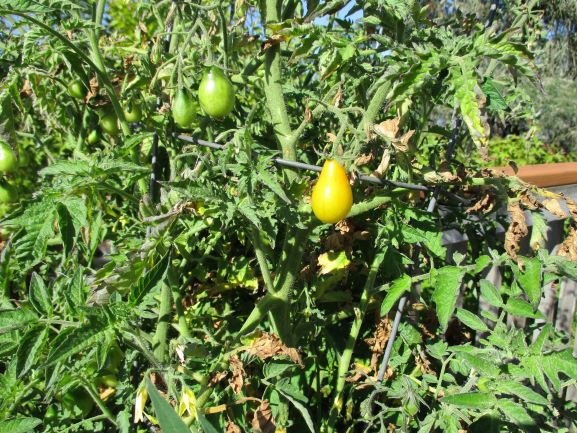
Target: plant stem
<point x="273" y="90"/>
<point x="160" y="336"/>
<point x="105" y="411"/>
<point x="345" y="360"/>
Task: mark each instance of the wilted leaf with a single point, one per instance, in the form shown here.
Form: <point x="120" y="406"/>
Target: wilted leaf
<point x="263" y="421"/>
<point x="237" y="380"/>
<point x="384" y="164"/>
<point x="332" y="261"/>
<point x="388" y="129"/>
<point x="554" y="207"/>
<point x="378" y="341"/>
<point x="517" y="230"/>
<point x="569" y="246"/>
<point x="485" y="205"/>
<point x="231" y="427"/>
<point x="269" y="345"/>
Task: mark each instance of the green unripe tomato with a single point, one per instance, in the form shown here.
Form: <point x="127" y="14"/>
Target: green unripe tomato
<point x="410" y="408"/>
<point x="113" y="358"/>
<point x="109" y="122"/>
<point x="109" y="380"/>
<point x="183" y="108"/>
<point x="8" y="160"/>
<point x="216" y="93"/>
<point x="8" y="193"/>
<point x="78" y="400"/>
<point x="132" y="112"/>
<point x="77" y="89"/>
<point x="93" y="137"/>
<point x="51" y="413"/>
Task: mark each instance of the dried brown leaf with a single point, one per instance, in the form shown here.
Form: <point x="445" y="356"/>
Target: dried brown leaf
<point x="238" y="374"/>
<point x="388" y="129"/>
<point x="485" y="205"/>
<point x="338" y="99"/>
<point x="269" y="345"/>
<point x="93" y="90"/>
<point x="517" y="230"/>
<point x="331" y="137"/>
<point x="263" y="421"/>
<point x="217" y="377"/>
<point x="378" y="341"/>
<point x="553" y="206"/>
<point x="384" y="164"/>
<point x="364" y="159"/>
<point x="231" y="427"/>
<point x="572" y="205"/>
<point x="569" y="246"/>
<point x="402" y="145"/>
<point x="26" y="90"/>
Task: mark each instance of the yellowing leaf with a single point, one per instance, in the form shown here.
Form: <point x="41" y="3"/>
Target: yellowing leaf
<point x="333" y="261"/>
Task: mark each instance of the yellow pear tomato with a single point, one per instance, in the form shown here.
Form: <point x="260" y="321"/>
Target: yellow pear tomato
<point x="332" y="196"/>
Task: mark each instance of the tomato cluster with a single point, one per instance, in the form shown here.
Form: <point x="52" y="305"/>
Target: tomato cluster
<point x="215" y="95"/>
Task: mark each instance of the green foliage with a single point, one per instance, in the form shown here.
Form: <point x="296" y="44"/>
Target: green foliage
<point x="222" y="302"/>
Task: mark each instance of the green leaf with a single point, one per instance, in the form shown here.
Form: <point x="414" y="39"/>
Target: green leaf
<point x="207" y="427"/>
<point x="29" y="347"/>
<point x="148" y="281"/>
<point x="516" y="413"/>
<point x="19" y="425"/>
<point x="270" y="182"/>
<point x="490" y="293"/>
<point x="482" y="365"/>
<point x="75" y="340"/>
<point x="521" y="308"/>
<point x="66" y="228"/>
<point x="168" y="419"/>
<point x="398" y="287"/>
<point x="39" y="297"/>
<point x="464" y="82"/>
<point x="447" y="285"/>
<point x="482" y="263"/>
<point x="530" y="279"/>
<point x="473" y="400"/>
<point x="16" y="319"/>
<point x="496" y="102"/>
<point x="471" y="320"/>
<point x="519" y="390"/>
<point x="300" y="407"/>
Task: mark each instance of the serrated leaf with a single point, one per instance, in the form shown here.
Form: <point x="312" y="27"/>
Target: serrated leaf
<point x="333" y="261"/>
<point x="490" y="293"/>
<point x="471" y="320"/>
<point x="66" y="228"/>
<point x="19" y="425"/>
<point x="249" y="214"/>
<point x="519" y="390"/>
<point x="148" y="281"/>
<point x="29" y="347"/>
<point x="473" y="400"/>
<point x="68" y="168"/>
<point x="398" y="287"/>
<point x="516" y="413"/>
<point x="270" y="182"/>
<point x="480" y="364"/>
<point x="168" y="419"/>
<point x="15" y="319"/>
<point x="38" y="296"/>
<point x="300" y="407"/>
<point x="70" y="342"/>
<point x="447" y="286"/>
<point x="520" y="308"/>
<point x="530" y="279"/>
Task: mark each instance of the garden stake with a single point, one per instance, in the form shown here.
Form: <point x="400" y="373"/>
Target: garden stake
<point x="430" y="208"/>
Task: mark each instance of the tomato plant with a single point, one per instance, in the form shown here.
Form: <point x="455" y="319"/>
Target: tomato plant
<point x="8" y="160"/>
<point x="227" y="290"/>
<point x="183" y="108"/>
<point x="216" y="93"/>
<point x="332" y="195"/>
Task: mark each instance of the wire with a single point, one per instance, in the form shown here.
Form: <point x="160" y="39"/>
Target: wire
<point x="303" y="166"/>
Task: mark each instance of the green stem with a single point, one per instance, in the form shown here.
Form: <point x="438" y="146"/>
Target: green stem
<point x="273" y="90"/>
<point x="177" y="296"/>
<point x="160" y="336"/>
<point x="345" y="360"/>
<point x="89" y="387"/>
